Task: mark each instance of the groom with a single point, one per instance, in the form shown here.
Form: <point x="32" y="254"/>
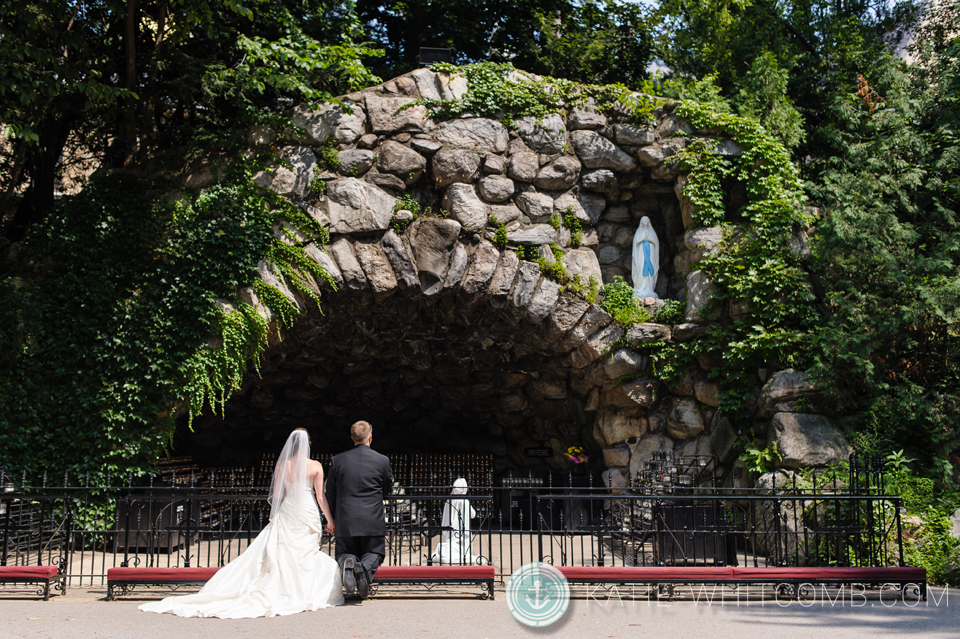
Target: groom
<point x="359" y="480"/>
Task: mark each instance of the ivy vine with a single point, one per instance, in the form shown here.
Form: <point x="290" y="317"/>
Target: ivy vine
<point x="754" y="269"/>
<point x="500" y="91"/>
<point x="127" y="310"/>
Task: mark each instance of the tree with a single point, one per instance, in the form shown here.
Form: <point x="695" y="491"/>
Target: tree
<point x="127" y="80"/>
<point x="889" y="257"/>
<point x="593" y="41"/>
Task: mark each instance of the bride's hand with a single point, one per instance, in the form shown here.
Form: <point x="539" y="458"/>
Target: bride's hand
<point x="329" y="527"/>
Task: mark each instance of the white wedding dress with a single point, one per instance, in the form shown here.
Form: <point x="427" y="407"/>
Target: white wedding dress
<point x="281" y="573"/>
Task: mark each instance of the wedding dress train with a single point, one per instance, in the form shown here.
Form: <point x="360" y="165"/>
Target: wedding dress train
<point x="282" y="572"/>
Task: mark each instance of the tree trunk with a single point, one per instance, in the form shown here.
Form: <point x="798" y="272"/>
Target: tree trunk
<point x="41" y="164"/>
<point x="130" y="109"/>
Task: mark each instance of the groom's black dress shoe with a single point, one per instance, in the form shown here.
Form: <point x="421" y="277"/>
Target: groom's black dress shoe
<point x="363" y="586"/>
<point x="349" y="577"/>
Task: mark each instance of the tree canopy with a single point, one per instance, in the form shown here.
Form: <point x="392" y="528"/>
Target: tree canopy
<point x="872" y="140"/>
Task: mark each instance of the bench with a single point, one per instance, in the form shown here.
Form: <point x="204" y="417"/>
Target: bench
<point x="34" y="575"/>
<point x="788" y="581"/>
<point x="483" y="576"/>
<point x="121" y="581"/>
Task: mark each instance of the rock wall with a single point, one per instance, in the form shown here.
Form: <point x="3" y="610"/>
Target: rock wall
<point x="555" y="379"/>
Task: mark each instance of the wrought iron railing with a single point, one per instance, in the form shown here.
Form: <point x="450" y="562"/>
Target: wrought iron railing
<point x="89" y="529"/>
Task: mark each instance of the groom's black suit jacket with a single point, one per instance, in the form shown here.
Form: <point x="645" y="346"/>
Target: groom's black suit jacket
<point x="357" y="484"/>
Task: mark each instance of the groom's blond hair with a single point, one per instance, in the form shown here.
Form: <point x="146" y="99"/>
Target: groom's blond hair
<point x="360" y="431"/>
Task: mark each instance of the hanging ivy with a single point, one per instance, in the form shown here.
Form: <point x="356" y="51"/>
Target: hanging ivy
<point x="754" y="269"/>
<point x="128" y="311"/>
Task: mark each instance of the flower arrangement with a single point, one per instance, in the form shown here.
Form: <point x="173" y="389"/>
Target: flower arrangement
<point x="576" y="455"/>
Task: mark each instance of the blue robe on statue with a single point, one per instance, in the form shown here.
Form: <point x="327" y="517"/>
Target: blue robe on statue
<point x="647" y="263"/>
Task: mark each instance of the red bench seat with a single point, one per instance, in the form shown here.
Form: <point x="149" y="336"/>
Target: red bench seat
<point x="123" y="577"/>
<point x="33" y="574"/>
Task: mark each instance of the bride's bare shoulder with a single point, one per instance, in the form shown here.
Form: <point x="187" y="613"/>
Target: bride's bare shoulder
<point x="315" y="468"/>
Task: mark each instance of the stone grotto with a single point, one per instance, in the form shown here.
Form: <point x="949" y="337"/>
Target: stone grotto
<point x="449" y="343"/>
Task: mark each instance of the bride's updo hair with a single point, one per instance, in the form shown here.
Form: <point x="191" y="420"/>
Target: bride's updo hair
<point x="309" y="439"/>
<point x="360" y="431"/>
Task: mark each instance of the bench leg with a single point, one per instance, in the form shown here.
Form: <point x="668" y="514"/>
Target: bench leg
<point x="109" y="592"/>
<point x="493" y="593"/>
<point x="46" y="591"/>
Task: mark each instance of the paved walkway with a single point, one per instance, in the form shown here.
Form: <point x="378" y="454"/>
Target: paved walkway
<point x="84" y="614"/>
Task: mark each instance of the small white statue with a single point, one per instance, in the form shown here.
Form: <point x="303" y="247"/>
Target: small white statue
<point x="646" y="260"/>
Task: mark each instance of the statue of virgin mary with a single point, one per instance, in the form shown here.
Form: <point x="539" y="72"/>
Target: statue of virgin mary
<point x="646" y="260"/>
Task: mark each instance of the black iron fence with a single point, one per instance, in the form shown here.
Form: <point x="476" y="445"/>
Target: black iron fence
<point x="89" y="529"/>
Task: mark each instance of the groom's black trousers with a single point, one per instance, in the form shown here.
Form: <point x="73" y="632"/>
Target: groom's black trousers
<point x="368" y="551"/>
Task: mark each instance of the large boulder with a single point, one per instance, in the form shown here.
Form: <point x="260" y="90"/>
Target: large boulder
<point x="480" y="268"/>
<point x="293" y="181"/>
<point x="505" y="213"/>
<point x="474" y="134"/>
<point x="559" y="175"/>
<point x="597" y="152"/>
<point x="386" y="118"/>
<point x="707" y="391"/>
<point x="593" y="206"/>
<point x="635" y="394"/>
<point x="702" y="241"/>
<point x="427" y="85"/>
<point x="601" y="180"/>
<point x="639" y="334"/>
<point x="612" y="427"/>
<point x="543" y="135"/>
<point x="585" y="117"/>
<point x="503" y="277"/>
<point x="583" y="262"/>
<point x="525" y="285"/>
<point x="700" y="288"/>
<point x="591" y="321"/>
<point x="400" y="260"/>
<point x="624" y="362"/>
<point x="353" y="277"/>
<point x="684" y="419"/>
<point x="783" y="391"/>
<point x="544" y="300"/>
<point x="400" y="160"/>
<point x="524" y="166"/>
<point x="807" y="440"/>
<point x="330" y="120"/>
<point x="596" y="345"/>
<point x="354" y="206"/>
<point x="454" y="165"/>
<point x="466" y="207"/>
<point x="634" y="135"/>
<point x="538" y="206"/>
<point x="565" y="316"/>
<point x="535" y="234"/>
<point x="432" y="242"/>
<point x="356" y="162"/>
<point x="496" y="188"/>
<point x="570" y="203"/>
<point x="376" y="267"/>
<point x="655" y="154"/>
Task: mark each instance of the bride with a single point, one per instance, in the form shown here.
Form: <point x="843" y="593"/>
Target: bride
<point x="283" y="571"/>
